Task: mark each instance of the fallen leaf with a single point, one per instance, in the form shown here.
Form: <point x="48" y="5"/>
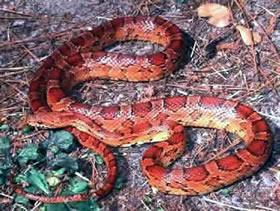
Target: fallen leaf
<point x="212" y="9"/>
<point x="220" y="21"/>
<point x="246" y="35"/>
<point x="218" y="14"/>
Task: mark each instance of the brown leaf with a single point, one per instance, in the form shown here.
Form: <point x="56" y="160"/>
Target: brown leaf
<point x="212" y="9"/>
<point x="246" y="35"/>
<point x="220" y="21"/>
<point x="218" y="14"/>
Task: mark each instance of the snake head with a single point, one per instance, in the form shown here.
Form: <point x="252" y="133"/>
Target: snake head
<point x="61" y="120"/>
<point x="46" y="119"/>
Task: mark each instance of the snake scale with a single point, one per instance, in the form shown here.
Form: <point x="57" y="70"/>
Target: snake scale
<point x="160" y="120"/>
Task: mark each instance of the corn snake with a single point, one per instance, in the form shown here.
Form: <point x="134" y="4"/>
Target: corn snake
<point x="160" y="120"/>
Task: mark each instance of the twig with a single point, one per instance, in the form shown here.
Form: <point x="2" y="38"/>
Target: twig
<point x="233" y="144"/>
<point x="234" y="207"/>
<point x="14" y="68"/>
<point x="14" y="73"/>
<point x="269" y="116"/>
<point x="81" y="176"/>
<point x="6" y="195"/>
<point x="19" y="13"/>
<point x="29" y="52"/>
<point x="252" y="47"/>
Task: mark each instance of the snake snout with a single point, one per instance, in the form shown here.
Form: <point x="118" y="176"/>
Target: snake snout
<point x="44" y="120"/>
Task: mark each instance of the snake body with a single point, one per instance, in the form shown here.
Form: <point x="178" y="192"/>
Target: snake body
<point x="161" y="120"/>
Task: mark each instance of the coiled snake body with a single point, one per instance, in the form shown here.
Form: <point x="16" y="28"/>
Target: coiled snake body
<point x="161" y="120"/>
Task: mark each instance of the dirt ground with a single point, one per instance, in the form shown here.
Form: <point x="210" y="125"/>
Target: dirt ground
<point x="221" y="65"/>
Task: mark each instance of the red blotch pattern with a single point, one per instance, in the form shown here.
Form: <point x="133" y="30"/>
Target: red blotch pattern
<point x="36" y="104"/>
<point x="176" y="45"/>
<point x="157" y="171"/>
<point x="55" y="74"/>
<point x="79" y="107"/>
<point x="174" y="103"/>
<point x="98" y="31"/>
<point x="49" y="62"/>
<point x="78" y="41"/>
<point x="75" y="59"/>
<point x="157" y="59"/>
<point x="153" y="152"/>
<point x="211" y="101"/>
<point x="141" y="109"/>
<point x="141" y="127"/>
<point x="260" y="126"/>
<point x="258" y="148"/>
<point x="173" y="29"/>
<point x="159" y="21"/>
<point x="244" y="111"/>
<point x="56" y="94"/>
<point x="197" y="174"/>
<point x="117" y="23"/>
<point x="84" y="136"/>
<point x="110" y="112"/>
<point x="65" y="50"/>
<point x="229" y="163"/>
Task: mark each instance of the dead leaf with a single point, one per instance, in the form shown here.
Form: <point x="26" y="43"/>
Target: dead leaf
<point x="246" y="35"/>
<point x="218" y="14"/>
<point x="220" y="21"/>
<point x="212" y="9"/>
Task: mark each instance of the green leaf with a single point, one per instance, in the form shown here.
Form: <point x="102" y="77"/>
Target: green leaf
<point x="147" y="199"/>
<point x="21" y="200"/>
<point x="28" y="153"/>
<point x="62" y="160"/>
<point x="38" y="180"/>
<point x="78" y="186"/>
<point x="89" y="205"/>
<point x="2" y="179"/>
<point x="58" y="172"/>
<point x="99" y="159"/>
<point x="119" y="183"/>
<point x="6" y="160"/>
<point x="53" y="181"/>
<point x="226" y="191"/>
<point x="56" y="207"/>
<point x="20" y="178"/>
<point x="27" y="129"/>
<point x="54" y="149"/>
<point x="4" y="145"/>
<point x="5" y="127"/>
<point x="61" y="139"/>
